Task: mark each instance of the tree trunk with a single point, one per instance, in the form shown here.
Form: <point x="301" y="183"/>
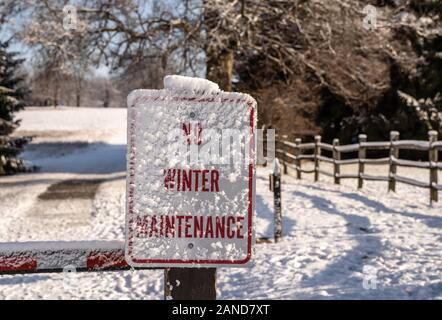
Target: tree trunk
<point x="220" y="67"/>
<point x="106" y="97"/>
<point x="78" y="99"/>
<point x="78" y="94"/>
<point x="219" y="59"/>
<point x="56" y="94"/>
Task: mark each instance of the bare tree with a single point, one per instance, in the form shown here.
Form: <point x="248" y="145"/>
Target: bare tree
<point x="60" y="52"/>
<point x="315" y="54"/>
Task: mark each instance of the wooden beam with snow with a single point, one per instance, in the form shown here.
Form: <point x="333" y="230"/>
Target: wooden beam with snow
<point x="62" y="256"/>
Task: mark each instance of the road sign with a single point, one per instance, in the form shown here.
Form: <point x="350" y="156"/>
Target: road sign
<point x="191" y="176"/>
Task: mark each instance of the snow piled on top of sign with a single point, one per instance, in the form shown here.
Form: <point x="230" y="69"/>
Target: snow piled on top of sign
<point x="187" y="87"/>
<point x="183" y="83"/>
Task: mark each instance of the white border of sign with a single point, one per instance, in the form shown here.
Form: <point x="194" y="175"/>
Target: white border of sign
<point x="142" y="96"/>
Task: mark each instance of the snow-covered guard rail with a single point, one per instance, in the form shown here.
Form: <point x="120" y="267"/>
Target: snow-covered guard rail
<point x="291" y="154"/>
<point x="59" y="256"/>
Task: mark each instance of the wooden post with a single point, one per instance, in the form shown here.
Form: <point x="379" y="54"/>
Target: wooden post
<point x="190" y="284"/>
<point x="361" y="155"/>
<point x="284" y="157"/>
<point x="298" y="161"/>
<point x="394" y="152"/>
<point x="276" y="172"/>
<point x="317" y="154"/>
<point x="433" y="159"/>
<point x="336" y="166"/>
<point x="2" y="163"/>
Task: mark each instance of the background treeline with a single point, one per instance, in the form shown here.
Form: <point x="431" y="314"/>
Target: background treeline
<point x="311" y="64"/>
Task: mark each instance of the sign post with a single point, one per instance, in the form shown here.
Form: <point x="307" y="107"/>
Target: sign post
<point x="190" y="283"/>
<point x="190" y="183"/>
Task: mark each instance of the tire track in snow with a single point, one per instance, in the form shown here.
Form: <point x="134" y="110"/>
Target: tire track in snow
<point x="68" y="200"/>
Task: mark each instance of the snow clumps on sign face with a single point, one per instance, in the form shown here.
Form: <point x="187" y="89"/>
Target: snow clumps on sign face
<point x="190" y="189"/>
<point x="196" y="85"/>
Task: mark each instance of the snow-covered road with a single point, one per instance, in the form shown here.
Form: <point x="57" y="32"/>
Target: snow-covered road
<point x="334" y="236"/>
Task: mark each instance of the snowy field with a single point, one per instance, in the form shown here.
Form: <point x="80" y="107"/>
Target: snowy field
<point x="334" y="236"/>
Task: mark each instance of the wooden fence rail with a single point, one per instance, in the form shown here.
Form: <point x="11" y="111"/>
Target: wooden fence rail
<point x="291" y="155"/>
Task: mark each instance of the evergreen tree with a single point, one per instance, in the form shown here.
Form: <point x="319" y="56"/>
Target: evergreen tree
<point x="12" y="93"/>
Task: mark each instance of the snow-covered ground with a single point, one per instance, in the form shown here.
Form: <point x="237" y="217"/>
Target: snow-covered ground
<point x="334" y="236"/>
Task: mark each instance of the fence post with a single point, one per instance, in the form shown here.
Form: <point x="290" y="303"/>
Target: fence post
<point x="276" y="173"/>
<point x="394" y="152"/>
<point x="361" y="155"/>
<point x="317" y="154"/>
<point x="433" y="159"/>
<point x="298" y="161"/>
<point x="336" y="166"/>
<point x="284" y="157"/>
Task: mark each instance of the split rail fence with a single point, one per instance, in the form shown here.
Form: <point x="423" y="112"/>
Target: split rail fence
<point x="293" y="154"/>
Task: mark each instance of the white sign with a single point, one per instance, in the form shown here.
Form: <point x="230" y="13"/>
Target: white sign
<point x="191" y="176"/>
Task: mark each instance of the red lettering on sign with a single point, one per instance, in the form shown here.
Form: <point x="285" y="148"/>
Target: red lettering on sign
<point x="141" y="227"/>
<point x="193" y="133"/>
<point x="209" y="228"/>
<point x="214" y="180"/>
<point x="187" y="180"/>
<point x="197" y="173"/>
<point x="198" y="227"/>
<point x="180" y="221"/>
<point x="220" y="228"/>
<point x="181" y="180"/>
<point x="187" y="227"/>
<point x="230" y="231"/>
<point x="239" y="225"/>
<point x="190" y="226"/>
<point x="170" y="223"/>
<point x="153" y="226"/>
<point x="204" y="178"/>
<point x="169" y="179"/>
